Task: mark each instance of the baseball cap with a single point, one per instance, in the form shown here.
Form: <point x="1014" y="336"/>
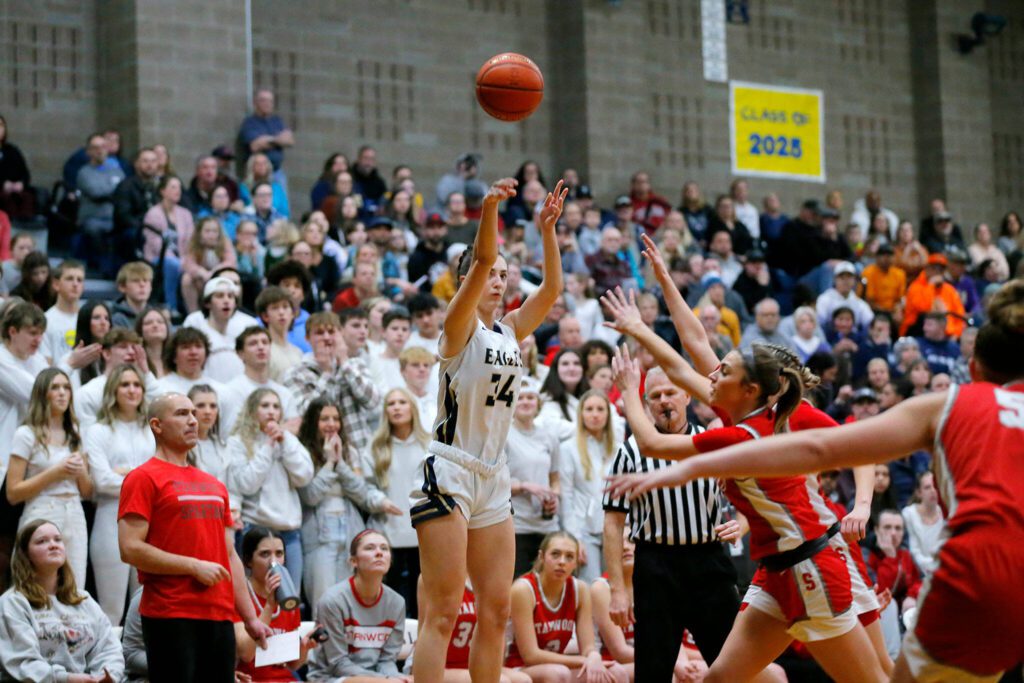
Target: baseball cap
<point x="886" y="248"/>
<point x="828" y="212"/>
<point x="957" y="255"/>
<point x="435" y="219"/>
<point x="943" y="216"/>
<point x="755" y="255"/>
<point x="379" y="222"/>
<point x="711" y="279"/>
<point x="219" y="284"/>
<point x="904" y="343"/>
<point x="223" y="152"/>
<point x="865" y="394"/>
<point x="623" y="200"/>
<point x="844" y="267"/>
<point x="937" y="260"/>
<point x="583" y="192"/>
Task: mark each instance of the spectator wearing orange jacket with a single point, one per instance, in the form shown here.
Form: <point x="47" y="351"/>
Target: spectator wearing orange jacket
<point x="930" y="293"/>
<point x="884" y="284"/>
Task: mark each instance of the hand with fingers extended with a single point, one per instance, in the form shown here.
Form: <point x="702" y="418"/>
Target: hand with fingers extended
<point x="653" y="255"/>
<point x="626" y="370"/>
<point x="625" y="314"/>
<point x="501" y="190"/>
<point x="552" y="209"/>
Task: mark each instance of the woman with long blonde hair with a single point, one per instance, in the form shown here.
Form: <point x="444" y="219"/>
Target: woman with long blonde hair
<point x="267" y="467"/>
<point x="395" y="451"/>
<point x="119" y="441"/>
<point x="49" y="470"/>
<point x="335" y="501"/>
<point x="48" y="630"/>
<point x="584" y="462"/>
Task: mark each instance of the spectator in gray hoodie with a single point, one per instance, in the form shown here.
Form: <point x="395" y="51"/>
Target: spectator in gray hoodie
<point x="96" y="182"/>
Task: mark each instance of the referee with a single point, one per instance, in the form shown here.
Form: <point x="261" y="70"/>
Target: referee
<point x="682" y="578"/>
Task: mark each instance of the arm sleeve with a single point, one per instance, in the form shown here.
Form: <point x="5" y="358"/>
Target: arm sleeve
<point x="360" y="382"/>
<point x="137" y="494"/>
<point x="97" y="442"/>
<point x="20" y="655"/>
<point x="106" y="652"/>
<point x="248" y="474"/>
<point x="22" y="443"/>
<point x="15" y="383"/>
<point x="131" y="639"/>
<point x="886" y="570"/>
<point x="296" y="461"/>
<point x="388" y="662"/>
<point x="316" y="490"/>
<point x="715" y="439"/>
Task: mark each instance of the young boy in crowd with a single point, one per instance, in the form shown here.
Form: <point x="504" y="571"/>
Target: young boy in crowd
<point x="135" y="282"/>
<point x="294" y="278"/>
<point x="355" y="329"/>
<point x="427" y="315"/>
<point x="221" y="321"/>
<point x="385" y="366"/>
<point x="420" y="376"/>
<point x="62" y="317"/>
<point x="276" y="309"/>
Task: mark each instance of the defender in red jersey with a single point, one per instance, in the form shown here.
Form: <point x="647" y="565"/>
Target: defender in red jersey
<point x="970" y="617"/>
<point x="806" y="590"/>
<point x="548" y="605"/>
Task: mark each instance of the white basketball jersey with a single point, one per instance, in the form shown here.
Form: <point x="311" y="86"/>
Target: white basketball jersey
<point x="477" y="393"/>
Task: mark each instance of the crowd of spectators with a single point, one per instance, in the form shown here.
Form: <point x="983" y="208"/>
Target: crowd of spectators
<point x="306" y="337"/>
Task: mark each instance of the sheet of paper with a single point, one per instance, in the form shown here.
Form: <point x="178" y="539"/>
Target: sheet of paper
<point x="282" y="648"/>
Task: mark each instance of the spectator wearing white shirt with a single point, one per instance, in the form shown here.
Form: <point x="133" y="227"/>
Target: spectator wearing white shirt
<point x="23" y="329"/>
<point x="221" y="322"/>
<point x="427" y="314"/>
<point x="185" y="360"/>
<point x="117" y="443"/>
<point x="842" y="294"/>
<point x="746" y="212"/>
<point x="865" y="210"/>
<point x="385" y="366"/>
<point x="276" y="310"/>
<point x="925" y="524"/>
<point x="62" y="317"/>
<point x="419" y="370"/>
<point x="253" y="349"/>
<point x="120" y="346"/>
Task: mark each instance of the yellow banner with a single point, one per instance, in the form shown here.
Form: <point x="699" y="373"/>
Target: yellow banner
<point x="777" y="132"/>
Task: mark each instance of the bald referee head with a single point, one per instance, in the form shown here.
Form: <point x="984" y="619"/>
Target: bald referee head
<point x="666" y="402"/>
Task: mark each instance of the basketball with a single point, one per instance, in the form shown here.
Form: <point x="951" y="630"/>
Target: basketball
<point x="509" y="86"/>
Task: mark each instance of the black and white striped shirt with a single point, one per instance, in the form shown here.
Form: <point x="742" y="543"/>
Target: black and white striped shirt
<point x="670" y="516"/>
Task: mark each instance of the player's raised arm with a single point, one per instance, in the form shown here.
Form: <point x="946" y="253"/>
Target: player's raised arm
<point x="475" y="266"/>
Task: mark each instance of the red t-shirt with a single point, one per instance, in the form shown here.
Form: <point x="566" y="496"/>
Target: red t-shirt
<point x="188" y="512"/>
<point x="465" y="624"/>
<point x="783" y="512"/>
<point x="283" y="622"/>
<point x="554" y="624"/>
<point x="346" y="299"/>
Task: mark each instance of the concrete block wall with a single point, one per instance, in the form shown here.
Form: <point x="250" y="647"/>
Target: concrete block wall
<point x="904" y="112"/>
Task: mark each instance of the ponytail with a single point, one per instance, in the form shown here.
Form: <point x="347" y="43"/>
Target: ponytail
<point x="790" y="398"/>
<point x="788" y="359"/>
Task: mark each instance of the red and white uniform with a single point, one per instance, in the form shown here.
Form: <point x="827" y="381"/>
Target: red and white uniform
<point x="284" y="620"/>
<point x="865" y="600"/>
<point x="552" y="624"/>
<point x="628" y="633"/>
<point x="462" y="634"/>
<point x="970" y="616"/>
<point x="813" y="596"/>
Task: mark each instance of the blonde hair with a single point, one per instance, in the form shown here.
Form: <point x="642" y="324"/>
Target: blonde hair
<point x="284" y="233"/>
<point x="380" y="445"/>
<point x="108" y="405"/>
<point x="607" y="433"/>
<point x="250" y="177"/>
<point x="415" y="354"/>
<point x="247" y="426"/>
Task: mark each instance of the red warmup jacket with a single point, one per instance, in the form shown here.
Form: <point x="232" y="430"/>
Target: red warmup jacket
<point x="899" y="574"/>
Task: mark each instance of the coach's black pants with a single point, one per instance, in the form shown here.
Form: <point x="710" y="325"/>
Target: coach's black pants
<point x="189" y="650"/>
<point x="680" y="587"/>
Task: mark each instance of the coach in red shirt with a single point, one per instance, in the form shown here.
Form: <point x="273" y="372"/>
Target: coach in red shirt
<point x="175" y="527"/>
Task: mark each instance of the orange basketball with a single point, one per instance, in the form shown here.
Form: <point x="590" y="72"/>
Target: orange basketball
<point x="509" y="86"/>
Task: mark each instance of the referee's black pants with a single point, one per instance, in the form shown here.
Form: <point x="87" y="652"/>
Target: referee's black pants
<point x="677" y="587"/>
